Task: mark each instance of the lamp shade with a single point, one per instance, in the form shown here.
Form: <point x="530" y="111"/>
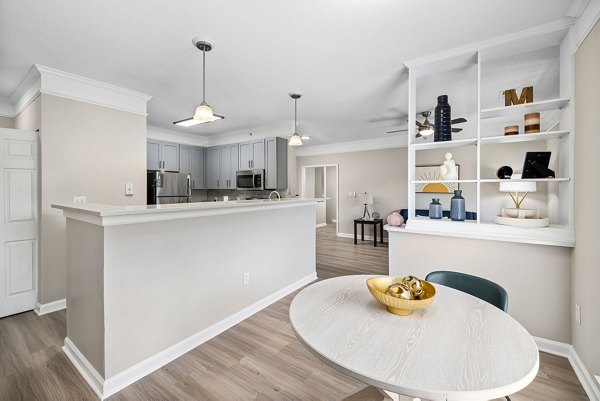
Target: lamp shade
<point x="365" y="198"/>
<point x="517" y="186"/>
<point x="204" y="113"/>
<point x="295" y="140"/>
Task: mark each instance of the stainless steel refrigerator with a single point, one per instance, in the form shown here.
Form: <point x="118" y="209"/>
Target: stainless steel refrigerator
<point x="165" y="187"/>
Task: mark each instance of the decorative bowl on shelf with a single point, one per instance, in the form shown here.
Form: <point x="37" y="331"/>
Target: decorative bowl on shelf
<point x="397" y="303"/>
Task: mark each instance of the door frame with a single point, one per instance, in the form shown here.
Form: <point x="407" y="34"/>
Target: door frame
<point x="337" y="188"/>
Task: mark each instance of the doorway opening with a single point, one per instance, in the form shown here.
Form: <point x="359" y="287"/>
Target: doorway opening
<point x="321" y="182"/>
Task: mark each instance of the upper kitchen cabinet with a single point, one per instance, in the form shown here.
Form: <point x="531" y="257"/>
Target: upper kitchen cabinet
<point x="252" y="155"/>
<point x="162" y="153"/>
<point x="191" y="160"/>
<point x="221" y="166"/>
<point x="276" y="163"/>
<point x="228" y="166"/>
<point x="212" y="168"/>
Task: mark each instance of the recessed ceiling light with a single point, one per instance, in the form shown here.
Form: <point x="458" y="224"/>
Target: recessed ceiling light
<point x="190" y="122"/>
<point x="305" y="137"/>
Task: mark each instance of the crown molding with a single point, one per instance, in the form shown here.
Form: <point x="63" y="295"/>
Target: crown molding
<point x="46" y="80"/>
<point x="395" y="141"/>
<point x="577" y="7"/>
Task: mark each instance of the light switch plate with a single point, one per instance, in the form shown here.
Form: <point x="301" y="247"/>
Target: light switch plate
<point x="246" y="278"/>
<point x="79" y="199"/>
<point x="129" y="189"/>
<point x="578" y="313"/>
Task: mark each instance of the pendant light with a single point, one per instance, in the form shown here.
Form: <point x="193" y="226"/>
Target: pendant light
<point x="295" y="139"/>
<point x="204" y="112"/>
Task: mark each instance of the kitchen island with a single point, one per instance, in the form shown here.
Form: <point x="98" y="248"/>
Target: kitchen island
<point x="145" y="284"/>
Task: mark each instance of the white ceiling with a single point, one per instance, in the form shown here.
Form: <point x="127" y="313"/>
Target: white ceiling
<point x="344" y="55"/>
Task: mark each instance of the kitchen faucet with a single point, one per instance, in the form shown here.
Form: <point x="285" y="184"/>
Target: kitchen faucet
<point x="275" y="192"/>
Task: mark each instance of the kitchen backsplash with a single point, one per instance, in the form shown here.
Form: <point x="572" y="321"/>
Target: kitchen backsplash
<point x="234" y="194"/>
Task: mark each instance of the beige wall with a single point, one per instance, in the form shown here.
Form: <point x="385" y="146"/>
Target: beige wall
<point x="85" y="150"/>
<point x="380" y="172"/>
<point x="30" y="117"/>
<point x="331" y="179"/>
<point x="7" y="122"/>
<point x="585" y="269"/>
<point x="536" y="277"/>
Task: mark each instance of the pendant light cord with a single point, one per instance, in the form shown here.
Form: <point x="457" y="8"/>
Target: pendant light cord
<point x="204" y="75"/>
<point x="295" y="116"/>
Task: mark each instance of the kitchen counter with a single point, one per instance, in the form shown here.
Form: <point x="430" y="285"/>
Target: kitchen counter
<point x="145" y="284"/>
<point x="108" y="215"/>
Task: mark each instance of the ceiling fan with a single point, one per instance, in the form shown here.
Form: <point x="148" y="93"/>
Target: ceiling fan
<point x="426" y="128"/>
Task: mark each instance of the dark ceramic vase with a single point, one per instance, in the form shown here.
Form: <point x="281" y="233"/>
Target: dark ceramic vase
<point x="435" y="209"/>
<point x="443" y="121"/>
<point x="457" y="207"/>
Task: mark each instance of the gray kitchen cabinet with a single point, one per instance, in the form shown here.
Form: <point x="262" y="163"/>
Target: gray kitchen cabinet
<point x="276" y="163"/>
<point x="152" y="155"/>
<point x="212" y="167"/>
<point x="252" y="155"/>
<point x="162" y="152"/>
<point x="191" y="161"/>
<point x="228" y="166"/>
<point x="197" y="168"/>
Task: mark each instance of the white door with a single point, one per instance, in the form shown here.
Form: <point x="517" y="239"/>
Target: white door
<point x="19" y="221"/>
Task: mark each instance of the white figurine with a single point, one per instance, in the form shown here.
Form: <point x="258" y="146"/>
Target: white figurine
<point x="448" y="170"/>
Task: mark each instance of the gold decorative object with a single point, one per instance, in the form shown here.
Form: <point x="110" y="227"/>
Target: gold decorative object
<point x="393" y="292"/>
<point x="510" y="96"/>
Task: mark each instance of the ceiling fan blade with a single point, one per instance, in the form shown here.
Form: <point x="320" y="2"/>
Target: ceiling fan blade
<point x="456" y="130"/>
<point x="419" y="124"/>
<point x="399" y="130"/>
<point x="458" y="121"/>
<point x="418" y="135"/>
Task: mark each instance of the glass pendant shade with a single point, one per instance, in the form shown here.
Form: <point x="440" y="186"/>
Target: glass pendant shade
<point x="203" y="113"/>
<point x="295" y="140"/>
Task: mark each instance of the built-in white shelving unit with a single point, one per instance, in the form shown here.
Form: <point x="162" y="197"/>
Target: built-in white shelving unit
<point x="474" y="79"/>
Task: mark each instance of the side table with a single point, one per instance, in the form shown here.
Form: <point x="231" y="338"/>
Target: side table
<point x="374" y="223"/>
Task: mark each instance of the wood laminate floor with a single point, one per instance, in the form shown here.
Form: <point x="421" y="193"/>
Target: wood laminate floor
<point x="258" y="359"/>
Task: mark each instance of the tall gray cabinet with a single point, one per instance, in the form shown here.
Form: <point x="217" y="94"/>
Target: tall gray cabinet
<point x="191" y="160"/>
<point x="276" y="159"/>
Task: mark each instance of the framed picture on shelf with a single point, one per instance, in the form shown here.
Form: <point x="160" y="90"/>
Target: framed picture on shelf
<point x="432" y="173"/>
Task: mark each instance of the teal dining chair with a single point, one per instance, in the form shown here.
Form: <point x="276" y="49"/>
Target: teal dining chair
<point x="477" y="286"/>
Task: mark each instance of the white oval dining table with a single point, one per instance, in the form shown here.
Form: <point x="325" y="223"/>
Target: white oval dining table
<point x="459" y="348"/>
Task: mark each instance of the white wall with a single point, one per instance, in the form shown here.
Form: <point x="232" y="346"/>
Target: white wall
<point x="536" y="277"/>
<point x="585" y="265"/>
<point x="85" y="150"/>
<point x="7" y="122"/>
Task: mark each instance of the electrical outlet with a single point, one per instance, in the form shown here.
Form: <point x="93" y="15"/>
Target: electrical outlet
<point x="246" y="278"/>
<point x="578" y="313"/>
<point x="129" y="189"/>
<point x="352" y="194"/>
<point x="80" y="199"/>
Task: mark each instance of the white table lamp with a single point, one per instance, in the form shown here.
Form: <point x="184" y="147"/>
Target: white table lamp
<point x="366" y="199"/>
<point x="519" y="216"/>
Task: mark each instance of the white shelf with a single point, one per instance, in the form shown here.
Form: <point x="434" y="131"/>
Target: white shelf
<point x="542" y="136"/>
<point x="484" y="180"/>
<point x="444" y="182"/>
<point x="544" y="105"/>
<point x="445" y="144"/>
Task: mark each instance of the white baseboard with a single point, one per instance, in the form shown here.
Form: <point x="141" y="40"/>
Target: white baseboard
<point x="321" y="225"/>
<point x="367" y="237"/>
<point x="42" y="309"/>
<point x="568" y="351"/>
<point x="110" y="386"/>
<point x="84" y="367"/>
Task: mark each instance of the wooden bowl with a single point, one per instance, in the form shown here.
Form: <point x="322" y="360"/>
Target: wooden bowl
<point x="399" y="306"/>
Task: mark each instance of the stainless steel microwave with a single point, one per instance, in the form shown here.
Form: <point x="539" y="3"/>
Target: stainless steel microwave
<point x="250" y="180"/>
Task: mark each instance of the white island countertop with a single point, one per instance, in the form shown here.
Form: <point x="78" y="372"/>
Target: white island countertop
<point x="109" y="215"/>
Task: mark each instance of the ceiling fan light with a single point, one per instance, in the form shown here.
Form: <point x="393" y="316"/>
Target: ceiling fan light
<point x="203" y="113"/>
<point x="426" y="131"/>
<point x="295" y="140"/>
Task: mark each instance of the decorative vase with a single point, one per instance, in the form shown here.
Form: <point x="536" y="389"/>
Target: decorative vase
<point x="532" y="123"/>
<point x="435" y="209"/>
<point x="457" y="207"/>
<point x="443" y="121"/>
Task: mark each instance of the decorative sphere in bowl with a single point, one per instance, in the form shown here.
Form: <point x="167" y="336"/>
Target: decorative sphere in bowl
<point x="397" y="305"/>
